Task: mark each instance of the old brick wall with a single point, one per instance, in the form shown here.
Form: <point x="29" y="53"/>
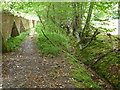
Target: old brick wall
<point x="7" y="24"/>
<point x="13" y="26"/>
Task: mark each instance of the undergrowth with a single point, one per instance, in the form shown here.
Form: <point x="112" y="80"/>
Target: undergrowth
<point x="47" y="49"/>
<point x="14" y="42"/>
<point x="108" y="66"/>
<point x="82" y="77"/>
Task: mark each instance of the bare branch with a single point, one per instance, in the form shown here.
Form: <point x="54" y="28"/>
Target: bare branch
<point x="43" y="31"/>
<point x="94" y="35"/>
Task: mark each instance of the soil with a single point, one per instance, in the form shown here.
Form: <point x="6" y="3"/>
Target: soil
<point x="26" y="69"/>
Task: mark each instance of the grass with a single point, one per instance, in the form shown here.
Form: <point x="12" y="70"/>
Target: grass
<point x="108" y="66"/>
<point x="82" y="77"/>
<point x="47" y="49"/>
<point x="15" y="42"/>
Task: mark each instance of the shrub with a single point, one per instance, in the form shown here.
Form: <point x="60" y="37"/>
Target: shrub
<point x="59" y="39"/>
<point x="14" y="42"/>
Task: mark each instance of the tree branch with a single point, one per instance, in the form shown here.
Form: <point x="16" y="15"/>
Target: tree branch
<point x="88" y="17"/>
<point x="48" y="10"/>
<point x="43" y="31"/>
<point x="95" y="33"/>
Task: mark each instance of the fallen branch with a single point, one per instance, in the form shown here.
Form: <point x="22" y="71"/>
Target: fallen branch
<point x="102" y="56"/>
<point x="113" y="50"/>
<point x="43" y="31"/>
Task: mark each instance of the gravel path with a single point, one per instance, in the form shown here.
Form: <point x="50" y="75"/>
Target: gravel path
<point x="26" y="69"/>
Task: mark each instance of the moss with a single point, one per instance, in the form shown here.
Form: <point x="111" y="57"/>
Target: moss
<point x="14" y="42"/>
<point x="102" y="67"/>
<point x="82" y="77"/>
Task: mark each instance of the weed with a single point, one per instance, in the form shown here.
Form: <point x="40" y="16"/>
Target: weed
<point x="47" y="49"/>
<point x="51" y="74"/>
<point x="102" y="67"/>
<point x="56" y="66"/>
<point x="14" y="42"/>
<point x="81" y="75"/>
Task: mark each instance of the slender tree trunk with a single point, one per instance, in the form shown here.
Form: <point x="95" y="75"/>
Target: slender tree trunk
<point x="54" y="14"/>
<point x="74" y="21"/>
<point x="81" y="17"/>
<point x="75" y="24"/>
<point x="88" y="17"/>
<point x="78" y="38"/>
<point x="48" y="11"/>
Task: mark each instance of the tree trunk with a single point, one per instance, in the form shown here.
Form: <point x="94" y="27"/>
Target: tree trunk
<point x="88" y="17"/>
<point x="78" y="38"/>
<point x="48" y="11"/>
<point x="74" y="21"/>
<point x="54" y="14"/>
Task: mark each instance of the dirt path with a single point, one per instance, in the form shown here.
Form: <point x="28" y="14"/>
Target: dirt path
<point x="25" y="68"/>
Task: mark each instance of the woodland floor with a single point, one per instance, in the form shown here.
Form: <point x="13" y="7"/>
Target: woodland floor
<point x="25" y="68"/>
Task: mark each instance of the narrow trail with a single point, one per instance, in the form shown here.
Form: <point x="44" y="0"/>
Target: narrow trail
<point x="26" y="69"/>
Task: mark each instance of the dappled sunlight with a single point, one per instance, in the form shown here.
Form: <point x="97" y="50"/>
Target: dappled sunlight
<point x="60" y="45"/>
<point x="112" y="24"/>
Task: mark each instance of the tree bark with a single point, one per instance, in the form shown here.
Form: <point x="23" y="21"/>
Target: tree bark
<point x="75" y="18"/>
<point x="54" y="14"/>
<point x="78" y="38"/>
<point x="88" y="18"/>
<point x="48" y="11"/>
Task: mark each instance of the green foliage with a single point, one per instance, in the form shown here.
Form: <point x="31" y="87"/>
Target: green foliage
<point x="59" y="39"/>
<point x="108" y="66"/>
<point x="15" y="42"/>
<point x="51" y="74"/>
<point x="53" y="14"/>
<point x="81" y="75"/>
